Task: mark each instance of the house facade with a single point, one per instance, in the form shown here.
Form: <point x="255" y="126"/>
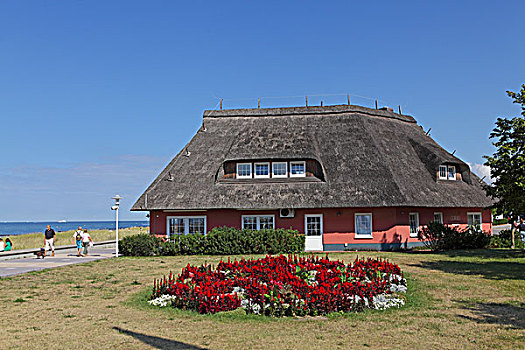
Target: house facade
<point x="347" y="177"/>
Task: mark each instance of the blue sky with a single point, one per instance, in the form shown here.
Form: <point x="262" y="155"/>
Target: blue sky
<point x="97" y="96"/>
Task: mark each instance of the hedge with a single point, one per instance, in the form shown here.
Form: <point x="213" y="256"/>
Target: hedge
<point x="219" y="241"/>
<point x="437" y="236"/>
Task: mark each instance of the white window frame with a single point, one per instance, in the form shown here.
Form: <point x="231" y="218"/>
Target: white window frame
<point x="244" y="176"/>
<point x="480" y="218"/>
<point x="440" y="214"/>
<point x="186" y="224"/>
<point x="306" y="216"/>
<point x="261" y="176"/>
<point x="370" y="235"/>
<point x="413" y="234"/>
<point x="446" y="172"/>
<point x="258" y="220"/>
<point x="303" y="163"/>
<point x="455" y="174"/>
<point x="285" y="170"/>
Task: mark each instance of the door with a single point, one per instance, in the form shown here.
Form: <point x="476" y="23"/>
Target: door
<point x="313" y="230"/>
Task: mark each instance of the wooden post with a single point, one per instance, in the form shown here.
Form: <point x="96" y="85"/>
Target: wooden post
<point x="258" y="103"/>
<point x="376" y="104"/>
<point x="348" y="99"/>
<point x="399" y="109"/>
<point x="221" y="104"/>
<point x="512" y="233"/>
<point x="306" y="101"/>
<point x="321" y="103"/>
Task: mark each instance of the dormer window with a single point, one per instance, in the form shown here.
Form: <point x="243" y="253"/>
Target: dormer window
<point x="451" y="172"/>
<point x="298" y="169"/>
<point x="279" y="169"/>
<point x="442" y="172"/>
<point x="262" y="170"/>
<point x="244" y="170"/>
<point x="447" y="172"/>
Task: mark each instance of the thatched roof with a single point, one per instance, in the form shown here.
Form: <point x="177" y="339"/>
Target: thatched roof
<point x="370" y="158"/>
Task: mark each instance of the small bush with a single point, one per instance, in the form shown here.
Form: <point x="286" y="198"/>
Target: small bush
<point x="504" y="240"/>
<point x="139" y="245"/>
<point x="220" y="241"/>
<point x="439" y="237"/>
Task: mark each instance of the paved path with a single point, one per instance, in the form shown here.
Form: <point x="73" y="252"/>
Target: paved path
<point x="23" y="265"/>
<point x="497" y="229"/>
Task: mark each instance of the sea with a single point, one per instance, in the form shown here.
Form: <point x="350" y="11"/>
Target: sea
<point x="20" y="228"/>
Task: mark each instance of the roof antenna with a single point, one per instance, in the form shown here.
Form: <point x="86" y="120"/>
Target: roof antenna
<point x="221" y="104"/>
<point x="453" y="152"/>
<point x="376" y="104"/>
<point x="321" y="103"/>
<point x="170" y="176"/>
<point x="348" y="99"/>
<point x="258" y="102"/>
<point x="306" y="101"/>
<point x="428" y="132"/>
<point x="187" y="153"/>
<point x="399" y="109"/>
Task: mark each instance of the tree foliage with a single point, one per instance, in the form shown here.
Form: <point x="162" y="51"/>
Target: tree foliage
<point x="507" y="164"/>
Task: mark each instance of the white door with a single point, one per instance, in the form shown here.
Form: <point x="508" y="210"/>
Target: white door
<point x="313" y="229"/>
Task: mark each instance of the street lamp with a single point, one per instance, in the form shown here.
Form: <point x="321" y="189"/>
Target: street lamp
<point x="115" y="207"/>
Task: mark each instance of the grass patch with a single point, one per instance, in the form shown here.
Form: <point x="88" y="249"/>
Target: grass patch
<point x="35" y="240"/>
<point x="453" y="299"/>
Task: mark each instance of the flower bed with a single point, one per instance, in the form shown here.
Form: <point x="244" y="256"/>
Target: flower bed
<point x="283" y="286"/>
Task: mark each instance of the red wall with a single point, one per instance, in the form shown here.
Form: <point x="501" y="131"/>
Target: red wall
<point x="388" y="224"/>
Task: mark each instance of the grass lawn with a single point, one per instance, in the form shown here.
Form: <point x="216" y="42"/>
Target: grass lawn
<point x="36" y="240"/>
<point x="457" y="300"/>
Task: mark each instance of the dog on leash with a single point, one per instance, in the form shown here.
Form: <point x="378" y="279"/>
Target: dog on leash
<point x="41" y="253"/>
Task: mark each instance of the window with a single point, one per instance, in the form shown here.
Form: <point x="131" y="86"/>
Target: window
<point x="183" y="225"/>
<point x="363" y="225"/>
<point x="442" y="172"/>
<point x="451" y="172"/>
<point x="258" y="222"/>
<point x="297" y="169"/>
<point x="438" y="217"/>
<point x="313" y="225"/>
<point x="262" y="170"/>
<point x="413" y="219"/>
<point x="280" y="169"/>
<point x="244" y="170"/>
<point x="474" y="219"/>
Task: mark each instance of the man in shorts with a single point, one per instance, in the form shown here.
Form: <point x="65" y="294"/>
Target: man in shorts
<point x="77" y="239"/>
<point x="49" y="240"/>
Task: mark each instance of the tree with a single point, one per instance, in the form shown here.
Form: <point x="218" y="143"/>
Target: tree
<point x="507" y="164"/>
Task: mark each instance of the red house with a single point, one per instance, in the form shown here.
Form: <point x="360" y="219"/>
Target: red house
<point x="348" y="177"/>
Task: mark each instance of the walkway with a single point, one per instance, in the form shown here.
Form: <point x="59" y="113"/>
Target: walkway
<point x="61" y="258"/>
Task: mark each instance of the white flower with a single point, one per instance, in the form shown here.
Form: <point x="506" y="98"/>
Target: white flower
<point x="163" y="300"/>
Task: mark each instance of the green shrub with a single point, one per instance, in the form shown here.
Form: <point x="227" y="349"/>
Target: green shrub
<point x="222" y="241"/>
<point x="438" y="237"/>
<point x="504" y="240"/>
<point x="139" y="245"/>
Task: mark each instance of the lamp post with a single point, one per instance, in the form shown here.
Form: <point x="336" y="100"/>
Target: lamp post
<point x="115" y="207"/>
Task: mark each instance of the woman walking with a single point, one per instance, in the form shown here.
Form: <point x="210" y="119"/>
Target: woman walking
<point x="86" y="240"/>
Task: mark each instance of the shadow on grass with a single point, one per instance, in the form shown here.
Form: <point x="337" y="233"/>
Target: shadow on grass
<point x="496" y="270"/>
<point x="157" y="342"/>
<point x="506" y="315"/>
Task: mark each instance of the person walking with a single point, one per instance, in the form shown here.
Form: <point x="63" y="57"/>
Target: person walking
<point x="49" y="240"/>
<point x="86" y="240"/>
<point x="77" y="238"/>
<point x="521" y="229"/>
